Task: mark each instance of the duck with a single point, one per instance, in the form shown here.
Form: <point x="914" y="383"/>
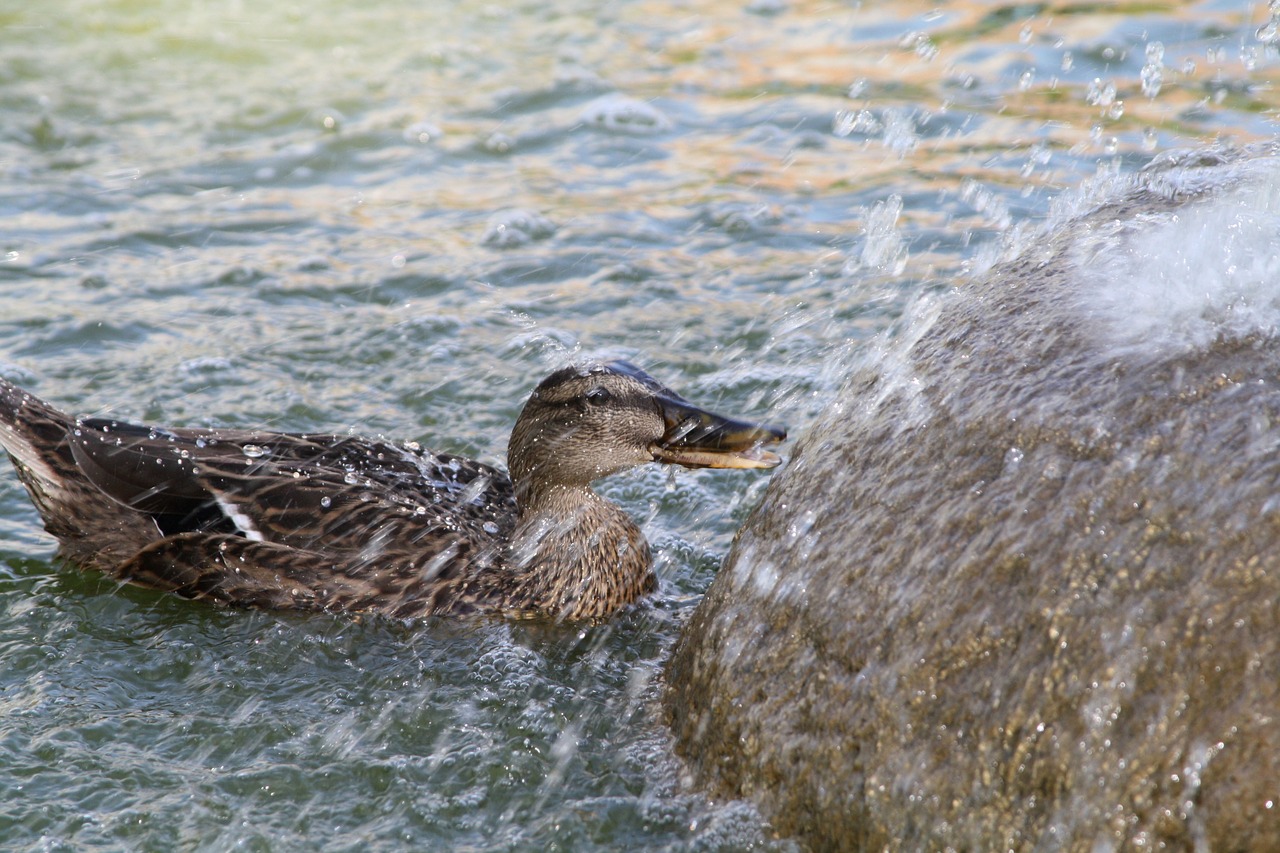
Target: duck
<point x="341" y="523"/>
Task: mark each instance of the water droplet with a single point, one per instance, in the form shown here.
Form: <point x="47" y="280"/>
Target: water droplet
<point x="899" y="132"/>
<point x="1152" y="80"/>
<point x="326" y="502"/>
<point x="200" y="442"/>
<point x="923" y="46"/>
<point x="1100" y="94"/>
<point x="1068" y="61"/>
<point x="490" y="527"/>
<point x="253" y="451"/>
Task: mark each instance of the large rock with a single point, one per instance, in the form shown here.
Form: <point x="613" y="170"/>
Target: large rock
<point x="1019" y="588"/>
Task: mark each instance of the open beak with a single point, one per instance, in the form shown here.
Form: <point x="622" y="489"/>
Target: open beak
<point x="696" y="438"/>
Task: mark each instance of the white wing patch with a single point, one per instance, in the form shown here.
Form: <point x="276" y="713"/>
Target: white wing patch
<point x="242" y="521"/>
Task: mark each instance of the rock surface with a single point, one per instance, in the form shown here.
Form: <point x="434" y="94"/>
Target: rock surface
<point x="1020" y="587"/>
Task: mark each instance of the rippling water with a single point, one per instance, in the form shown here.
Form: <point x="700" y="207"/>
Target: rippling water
<point x="395" y="219"/>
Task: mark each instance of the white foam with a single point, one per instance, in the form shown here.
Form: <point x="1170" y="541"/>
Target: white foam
<point x="1176" y="281"/>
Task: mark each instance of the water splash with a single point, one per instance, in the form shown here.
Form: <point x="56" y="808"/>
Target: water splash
<point x="1152" y="75"/>
<point x="1179" y="281"/>
<point x="883" y="247"/>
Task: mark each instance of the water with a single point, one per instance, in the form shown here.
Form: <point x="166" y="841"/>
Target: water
<point x="394" y="220"/>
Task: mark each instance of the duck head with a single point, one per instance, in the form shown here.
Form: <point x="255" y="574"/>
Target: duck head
<point x="589" y="421"/>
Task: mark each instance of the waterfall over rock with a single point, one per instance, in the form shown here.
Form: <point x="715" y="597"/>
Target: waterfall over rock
<point x="1019" y="588"/>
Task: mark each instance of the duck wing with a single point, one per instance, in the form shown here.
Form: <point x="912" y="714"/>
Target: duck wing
<point x="342" y="501"/>
<point x="231" y="569"/>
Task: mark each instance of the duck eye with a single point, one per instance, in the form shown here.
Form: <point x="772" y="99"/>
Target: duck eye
<point x="599" y="396"/>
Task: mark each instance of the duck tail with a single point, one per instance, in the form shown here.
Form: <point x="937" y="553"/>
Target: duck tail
<point x="34" y="434"/>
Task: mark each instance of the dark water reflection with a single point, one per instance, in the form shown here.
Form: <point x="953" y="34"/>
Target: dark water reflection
<point x="394" y="219"/>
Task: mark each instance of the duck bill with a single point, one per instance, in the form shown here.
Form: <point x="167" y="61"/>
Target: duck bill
<point x="696" y="438"/>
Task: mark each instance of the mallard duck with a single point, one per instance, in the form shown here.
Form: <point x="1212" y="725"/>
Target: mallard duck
<point x="293" y="521"/>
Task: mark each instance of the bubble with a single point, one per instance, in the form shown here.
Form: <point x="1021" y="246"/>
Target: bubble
<point x="516" y="227"/>
<point x="621" y="114"/>
<point x="204" y="365"/>
<point x="499" y="143"/>
<point x="422" y="132"/>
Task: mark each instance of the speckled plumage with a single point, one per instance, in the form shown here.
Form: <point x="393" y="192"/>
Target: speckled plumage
<point x="338" y="523"/>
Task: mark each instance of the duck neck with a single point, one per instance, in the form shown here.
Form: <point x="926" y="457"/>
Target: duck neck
<point x="579" y="556"/>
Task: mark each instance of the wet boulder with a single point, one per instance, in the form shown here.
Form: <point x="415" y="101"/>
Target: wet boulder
<point x="1019" y="588"/>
